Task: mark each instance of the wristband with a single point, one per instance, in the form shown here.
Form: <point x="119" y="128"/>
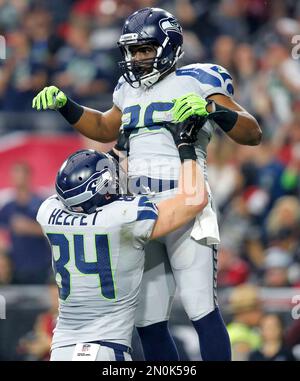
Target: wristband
<point x="223" y="116"/>
<point x="187" y="152"/>
<point x="71" y="111"/>
<point x="113" y="154"/>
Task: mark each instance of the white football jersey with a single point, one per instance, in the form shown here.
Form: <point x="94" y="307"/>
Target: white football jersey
<point x="152" y="149"/>
<point x="98" y="261"/>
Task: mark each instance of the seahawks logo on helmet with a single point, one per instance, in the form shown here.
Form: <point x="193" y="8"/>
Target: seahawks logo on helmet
<point x="103" y="179"/>
<point x="170" y="25"/>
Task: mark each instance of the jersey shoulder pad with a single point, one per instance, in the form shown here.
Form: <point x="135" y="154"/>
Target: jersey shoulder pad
<point x="125" y="208"/>
<point x="120" y="83"/>
<point x="147" y="214"/>
<point x="214" y="78"/>
<point x="147" y="210"/>
<point x="118" y="97"/>
<point x="46" y="207"/>
<point x="138" y="208"/>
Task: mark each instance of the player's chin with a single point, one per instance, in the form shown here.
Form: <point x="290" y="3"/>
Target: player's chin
<point x="145" y="69"/>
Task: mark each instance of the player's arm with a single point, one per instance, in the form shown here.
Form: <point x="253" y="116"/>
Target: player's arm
<point x="217" y="105"/>
<point x="100" y="126"/>
<point x="226" y="113"/>
<point x="190" y="200"/>
<point x="96" y="125"/>
<point x="241" y="126"/>
<point x="191" y="197"/>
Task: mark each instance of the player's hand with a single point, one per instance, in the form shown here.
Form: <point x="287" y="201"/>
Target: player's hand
<point x="186" y="132"/>
<point x="188" y="105"/>
<point x="49" y="98"/>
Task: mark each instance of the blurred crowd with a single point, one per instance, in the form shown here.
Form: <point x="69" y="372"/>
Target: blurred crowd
<point x="72" y="44"/>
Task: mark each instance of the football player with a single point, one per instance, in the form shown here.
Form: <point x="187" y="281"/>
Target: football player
<point x="151" y="92"/>
<point x="97" y="234"/>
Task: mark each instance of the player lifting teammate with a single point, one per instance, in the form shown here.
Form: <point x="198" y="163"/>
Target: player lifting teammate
<point x="97" y="234"/>
<point x="152" y="92"/>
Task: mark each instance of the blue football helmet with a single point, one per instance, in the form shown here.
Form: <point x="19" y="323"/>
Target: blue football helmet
<point x="87" y="180"/>
<point x="156" y="27"/>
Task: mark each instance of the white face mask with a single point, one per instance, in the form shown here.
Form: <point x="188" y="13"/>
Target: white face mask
<point x="150" y="79"/>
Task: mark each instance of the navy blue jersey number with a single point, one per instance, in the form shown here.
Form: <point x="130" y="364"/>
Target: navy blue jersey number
<point x="100" y="267"/>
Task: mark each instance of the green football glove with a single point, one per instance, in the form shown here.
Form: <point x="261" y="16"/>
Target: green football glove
<point x="49" y="98"/>
<point x="188" y="105"/>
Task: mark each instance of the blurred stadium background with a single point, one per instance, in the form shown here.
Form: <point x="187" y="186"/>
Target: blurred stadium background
<point x="72" y="44"/>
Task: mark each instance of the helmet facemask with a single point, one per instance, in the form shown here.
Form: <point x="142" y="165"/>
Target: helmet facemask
<point x="134" y="71"/>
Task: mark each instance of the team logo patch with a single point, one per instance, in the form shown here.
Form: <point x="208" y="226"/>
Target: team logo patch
<point x="170" y="25"/>
<point x="100" y="182"/>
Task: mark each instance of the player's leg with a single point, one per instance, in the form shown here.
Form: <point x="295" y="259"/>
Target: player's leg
<point x="194" y="267"/>
<point x="155" y="302"/>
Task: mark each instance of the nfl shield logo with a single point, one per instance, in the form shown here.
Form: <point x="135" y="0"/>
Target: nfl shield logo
<point x="85" y="347"/>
